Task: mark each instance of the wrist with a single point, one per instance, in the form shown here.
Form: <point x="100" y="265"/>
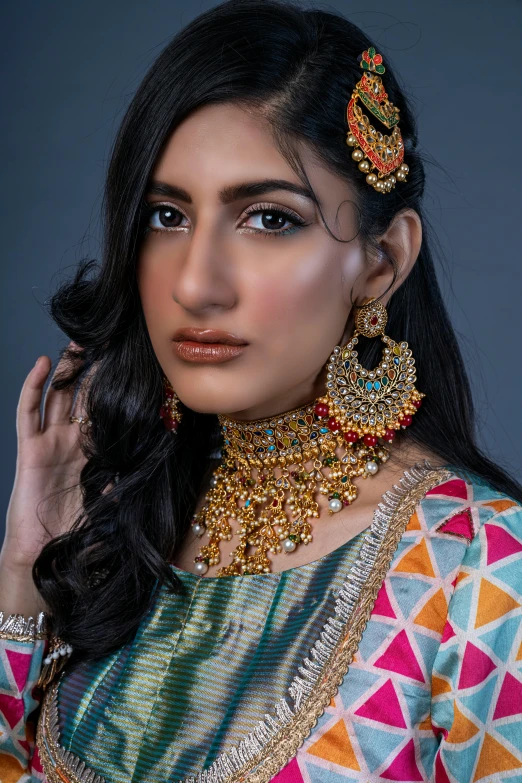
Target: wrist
<point x="18" y="593"/>
<point x="16" y="562"/>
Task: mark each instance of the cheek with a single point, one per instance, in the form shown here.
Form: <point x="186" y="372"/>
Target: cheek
<point x="287" y="306"/>
<point x="155" y="289"/>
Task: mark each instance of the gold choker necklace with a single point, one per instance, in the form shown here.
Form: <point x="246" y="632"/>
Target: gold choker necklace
<point x="338" y="433"/>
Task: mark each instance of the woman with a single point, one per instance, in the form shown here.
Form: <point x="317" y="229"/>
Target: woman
<point x="368" y="623"/>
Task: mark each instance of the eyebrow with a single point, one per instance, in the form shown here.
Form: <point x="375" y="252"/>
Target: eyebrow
<point x="233" y="192"/>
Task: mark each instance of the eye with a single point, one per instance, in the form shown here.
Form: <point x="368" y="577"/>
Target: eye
<point x="162" y="217"/>
<point x="271" y="220"/>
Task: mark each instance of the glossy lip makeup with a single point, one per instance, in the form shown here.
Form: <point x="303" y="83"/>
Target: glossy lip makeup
<point x="211" y="346"/>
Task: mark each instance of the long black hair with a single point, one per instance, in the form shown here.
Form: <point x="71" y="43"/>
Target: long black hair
<point x="298" y="66"/>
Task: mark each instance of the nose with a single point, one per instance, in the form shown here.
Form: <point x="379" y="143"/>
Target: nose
<point x="204" y="279"/>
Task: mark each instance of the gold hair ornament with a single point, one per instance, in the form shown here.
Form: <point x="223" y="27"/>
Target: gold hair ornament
<point x="379" y="156"/>
<point x="338" y="435"/>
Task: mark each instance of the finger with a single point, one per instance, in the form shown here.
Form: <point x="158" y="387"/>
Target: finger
<point x="58" y="402"/>
<point x="28" y="417"/>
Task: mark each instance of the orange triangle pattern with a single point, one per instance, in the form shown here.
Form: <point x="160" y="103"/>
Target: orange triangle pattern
<point x="434" y="613"/>
<point x="416" y="561"/>
<point x="494" y="758"/>
<point x="500" y="505"/>
<point x="462" y="728"/>
<point x="426" y="724"/>
<point x="335" y="745"/>
<point x="461" y="575"/>
<point x="11" y="770"/>
<point x="493" y="603"/>
<point x="414" y="522"/>
<point x="519" y="653"/>
<point x="438" y="686"/>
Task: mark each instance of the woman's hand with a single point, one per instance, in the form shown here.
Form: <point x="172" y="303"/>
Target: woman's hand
<point x="49" y="461"/>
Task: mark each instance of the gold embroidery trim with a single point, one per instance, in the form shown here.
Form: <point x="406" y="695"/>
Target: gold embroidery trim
<point x="59" y="764"/>
<point x="62" y="766"/>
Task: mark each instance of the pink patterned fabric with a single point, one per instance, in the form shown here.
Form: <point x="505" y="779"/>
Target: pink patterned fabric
<point x="435" y="690"/>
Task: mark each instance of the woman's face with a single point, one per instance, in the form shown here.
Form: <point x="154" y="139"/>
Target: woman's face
<point x="231" y="251"/>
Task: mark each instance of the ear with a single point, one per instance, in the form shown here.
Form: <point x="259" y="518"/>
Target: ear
<point x="402" y="242"/>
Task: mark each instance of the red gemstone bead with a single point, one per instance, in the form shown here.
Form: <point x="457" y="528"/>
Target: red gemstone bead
<point x="171" y="424"/>
<point x="351" y="436"/>
<point x="374" y="321"/>
<point x="370" y="440"/>
<point x="162" y="412"/>
<point x="417" y="403"/>
<point x="406" y="420"/>
<point x="389" y="435"/>
<point x="334" y="425"/>
<point x="321" y="409"/>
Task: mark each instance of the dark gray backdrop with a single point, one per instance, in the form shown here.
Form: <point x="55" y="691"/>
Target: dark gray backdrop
<point x="70" y="68"/>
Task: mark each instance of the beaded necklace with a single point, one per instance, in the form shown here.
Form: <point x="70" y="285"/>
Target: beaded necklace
<point x="272" y="505"/>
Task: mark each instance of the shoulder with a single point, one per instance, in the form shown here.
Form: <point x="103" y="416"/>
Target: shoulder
<point x="462" y="547"/>
<point x="468" y="510"/>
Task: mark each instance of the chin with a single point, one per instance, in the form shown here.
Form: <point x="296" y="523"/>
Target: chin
<point x="214" y="402"/>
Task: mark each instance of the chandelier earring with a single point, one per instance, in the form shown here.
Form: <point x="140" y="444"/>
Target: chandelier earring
<point x="372" y="404"/>
<point x="169" y="411"/>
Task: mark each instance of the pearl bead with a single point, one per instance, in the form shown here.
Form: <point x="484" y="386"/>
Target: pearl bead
<point x="357" y="154"/>
<point x="371" y="179"/>
<point x="289" y="545"/>
<point x="335" y="505"/>
<point x="364" y="165"/>
<point x="351" y="140"/>
<point x="198" y="529"/>
<point x="372" y="467"/>
<point x="213" y="481"/>
<point x="201" y="568"/>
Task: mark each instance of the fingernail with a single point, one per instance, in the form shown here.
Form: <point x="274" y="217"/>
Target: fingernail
<point x="36" y="362"/>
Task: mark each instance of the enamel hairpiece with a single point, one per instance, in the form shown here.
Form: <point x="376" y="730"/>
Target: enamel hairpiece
<point x="379" y="156"/>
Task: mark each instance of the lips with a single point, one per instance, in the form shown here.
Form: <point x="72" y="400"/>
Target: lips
<point x="214" y="336"/>
<point x="207" y="345"/>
